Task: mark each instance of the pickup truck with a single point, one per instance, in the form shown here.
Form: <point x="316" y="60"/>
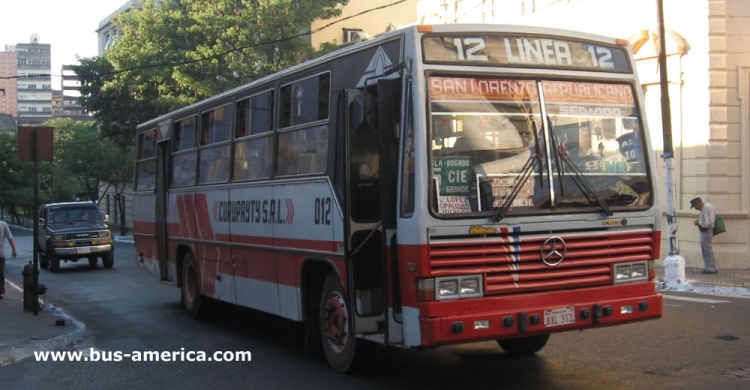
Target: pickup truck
<point x="71" y="231"/>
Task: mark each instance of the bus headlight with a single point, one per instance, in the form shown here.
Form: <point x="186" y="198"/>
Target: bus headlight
<point x="447" y="288"/>
<point x="631" y="272"/>
<point x="457" y="287"/>
<point x="469" y="286"/>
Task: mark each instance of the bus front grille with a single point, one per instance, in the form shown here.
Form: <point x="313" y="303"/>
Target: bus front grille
<point x="512" y="263"/>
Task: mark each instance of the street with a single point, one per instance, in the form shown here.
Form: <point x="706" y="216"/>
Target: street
<point x="701" y="342"/>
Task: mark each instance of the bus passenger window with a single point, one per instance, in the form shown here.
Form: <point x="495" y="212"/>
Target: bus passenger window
<point x="252" y="159"/>
<point x="287" y="156"/>
<point x="303" y="151"/>
<point x="214" y="165"/>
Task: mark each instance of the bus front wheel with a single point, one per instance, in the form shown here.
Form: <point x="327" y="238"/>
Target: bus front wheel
<point x="524" y="346"/>
<point x="335" y="319"/>
<point x="196" y="305"/>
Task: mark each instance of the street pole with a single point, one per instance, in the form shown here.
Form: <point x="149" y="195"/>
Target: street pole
<point x="674" y="264"/>
<point x="35" y="221"/>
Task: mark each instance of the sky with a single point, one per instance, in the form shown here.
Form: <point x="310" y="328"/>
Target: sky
<point x="68" y="25"/>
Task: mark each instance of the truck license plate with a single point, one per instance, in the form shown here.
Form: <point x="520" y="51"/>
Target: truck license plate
<point x="557" y="317"/>
<point x="84" y="251"/>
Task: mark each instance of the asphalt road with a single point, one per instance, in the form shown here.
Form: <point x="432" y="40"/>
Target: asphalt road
<point x="702" y="342"/>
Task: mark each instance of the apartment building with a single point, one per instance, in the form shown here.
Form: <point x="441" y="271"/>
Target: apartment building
<point x="33" y="81"/>
<point x="8" y="92"/>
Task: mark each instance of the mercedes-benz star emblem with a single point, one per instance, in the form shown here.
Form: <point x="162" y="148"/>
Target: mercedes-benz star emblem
<point x="555" y="253"/>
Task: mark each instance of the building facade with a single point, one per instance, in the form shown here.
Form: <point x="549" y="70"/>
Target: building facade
<point x="8" y="92"/>
<point x="108" y="32"/>
<point x="69" y="105"/>
<point x="33" y="82"/>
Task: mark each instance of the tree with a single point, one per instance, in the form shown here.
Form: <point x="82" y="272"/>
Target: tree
<point x="55" y="184"/>
<point x="85" y="156"/>
<point x="117" y="108"/>
<point x="182" y="51"/>
<point x="16" y="177"/>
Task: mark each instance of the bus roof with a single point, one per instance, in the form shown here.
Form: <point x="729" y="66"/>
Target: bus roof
<point x="380" y="39"/>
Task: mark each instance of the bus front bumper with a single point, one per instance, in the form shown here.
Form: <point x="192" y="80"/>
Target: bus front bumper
<point x="521" y="315"/>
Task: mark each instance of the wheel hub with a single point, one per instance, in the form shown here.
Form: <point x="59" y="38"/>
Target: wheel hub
<point x="336" y="322"/>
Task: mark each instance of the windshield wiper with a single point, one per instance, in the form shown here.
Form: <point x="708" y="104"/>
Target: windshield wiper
<point x="526" y="171"/>
<point x="578" y="178"/>
<point x="558" y="159"/>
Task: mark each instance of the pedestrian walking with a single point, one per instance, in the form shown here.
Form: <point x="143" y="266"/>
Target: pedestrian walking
<point x="705" y="223"/>
<point x="5" y="233"/>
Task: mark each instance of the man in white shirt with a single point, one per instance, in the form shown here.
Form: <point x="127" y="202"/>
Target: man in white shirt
<point x="5" y="233"/>
<point x="705" y="224"/>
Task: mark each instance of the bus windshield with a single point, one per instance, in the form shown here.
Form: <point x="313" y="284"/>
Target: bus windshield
<point x="535" y="146"/>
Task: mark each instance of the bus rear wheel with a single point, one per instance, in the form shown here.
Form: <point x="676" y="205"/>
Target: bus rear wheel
<point x="524" y="346"/>
<point x="196" y="305"/>
<point x="339" y="343"/>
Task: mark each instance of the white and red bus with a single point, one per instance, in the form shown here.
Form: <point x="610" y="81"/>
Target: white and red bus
<point x="434" y="185"/>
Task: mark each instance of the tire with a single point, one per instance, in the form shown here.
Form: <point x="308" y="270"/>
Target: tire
<point x="312" y="343"/>
<point x="54" y="264"/>
<point x="196" y="305"/>
<point x="93" y="260"/>
<point x="43" y="261"/>
<point x="336" y="333"/>
<point x="108" y="259"/>
<point x="524" y="346"/>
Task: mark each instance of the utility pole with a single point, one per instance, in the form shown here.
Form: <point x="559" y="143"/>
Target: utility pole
<point x="674" y="264"/>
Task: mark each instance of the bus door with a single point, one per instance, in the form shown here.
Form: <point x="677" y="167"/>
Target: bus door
<point x="370" y="123"/>
<point x="162" y="159"/>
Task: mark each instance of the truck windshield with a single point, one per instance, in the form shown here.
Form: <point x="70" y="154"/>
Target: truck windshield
<point x="535" y="146"/>
<point x="74" y="214"/>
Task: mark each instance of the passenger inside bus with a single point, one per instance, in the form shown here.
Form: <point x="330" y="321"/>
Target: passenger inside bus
<point x="287" y="160"/>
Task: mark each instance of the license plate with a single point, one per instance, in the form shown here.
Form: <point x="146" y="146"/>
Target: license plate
<point x="557" y="317"/>
<point x="84" y="251"/>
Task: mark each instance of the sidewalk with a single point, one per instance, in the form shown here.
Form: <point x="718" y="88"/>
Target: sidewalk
<point x="724" y="278"/>
<point x="22" y="333"/>
<point x="725" y="282"/>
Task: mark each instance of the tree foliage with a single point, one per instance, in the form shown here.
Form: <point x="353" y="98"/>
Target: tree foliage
<point x="178" y="52"/>
<point x="92" y="161"/>
<point x="16" y="177"/>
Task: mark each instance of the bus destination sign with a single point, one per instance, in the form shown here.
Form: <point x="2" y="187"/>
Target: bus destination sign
<point x="504" y="50"/>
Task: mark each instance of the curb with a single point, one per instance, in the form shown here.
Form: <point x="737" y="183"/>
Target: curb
<point x="697" y="287"/>
<point x="25" y="351"/>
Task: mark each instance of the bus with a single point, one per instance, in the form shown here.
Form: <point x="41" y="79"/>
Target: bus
<point x="435" y="185"/>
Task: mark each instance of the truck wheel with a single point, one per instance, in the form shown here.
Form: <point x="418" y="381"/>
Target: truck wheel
<point x="524" y="346"/>
<point x="54" y="264"/>
<point x="93" y="260"/>
<point x="196" y="305"/>
<point x="339" y="343"/>
<point x="108" y="259"/>
<point x="43" y="261"/>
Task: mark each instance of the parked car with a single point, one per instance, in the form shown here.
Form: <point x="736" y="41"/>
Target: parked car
<point x="71" y="231"/>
